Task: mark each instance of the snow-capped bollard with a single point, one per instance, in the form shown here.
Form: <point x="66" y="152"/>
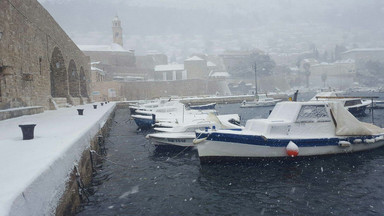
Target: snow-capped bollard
<point x="28" y="130"/>
<point x="94" y="106"/>
<point x="102" y="103"/>
<point x="80" y="111"/>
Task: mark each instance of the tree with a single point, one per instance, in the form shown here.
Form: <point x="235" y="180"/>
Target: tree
<point x="338" y="51"/>
<point x="324" y="78"/>
<point x="245" y="67"/>
<point x="307" y="72"/>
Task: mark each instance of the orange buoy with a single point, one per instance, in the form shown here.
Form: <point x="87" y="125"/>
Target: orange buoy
<point x="292" y="149"/>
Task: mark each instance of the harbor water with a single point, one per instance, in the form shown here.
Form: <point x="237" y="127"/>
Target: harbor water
<point x="138" y="179"/>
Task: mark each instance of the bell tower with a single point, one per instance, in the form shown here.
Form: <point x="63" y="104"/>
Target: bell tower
<point x="117" y="31"/>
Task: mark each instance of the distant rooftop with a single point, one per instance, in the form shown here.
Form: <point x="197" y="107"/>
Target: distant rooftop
<point x="365" y="50"/>
<point x="211" y="64"/>
<point x="240" y="52"/>
<point x="103" y="48"/>
<point x="169" y="67"/>
<point x="116" y="18"/>
<point x="194" y="58"/>
<point x="97" y="70"/>
<point x="220" y="74"/>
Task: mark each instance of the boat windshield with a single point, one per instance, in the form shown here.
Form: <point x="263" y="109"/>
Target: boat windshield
<point x="313" y="113"/>
<point x="352" y="102"/>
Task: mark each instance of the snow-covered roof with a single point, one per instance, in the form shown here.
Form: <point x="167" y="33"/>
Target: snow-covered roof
<point x="114" y="47"/>
<point x="220" y="74"/>
<point x="95" y="63"/>
<point x="365" y="50"/>
<point x="211" y="64"/>
<point x="194" y="58"/>
<point x="169" y="67"/>
<point x="97" y="70"/>
<point x="116" y="18"/>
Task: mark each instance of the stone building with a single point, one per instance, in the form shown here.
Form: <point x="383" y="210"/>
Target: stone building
<point x="39" y="63"/>
<point x="170" y="72"/>
<point x="113" y="58"/>
<point x="373" y="54"/>
<point x="339" y="74"/>
<point x="196" y="68"/>
<point x="117" y="31"/>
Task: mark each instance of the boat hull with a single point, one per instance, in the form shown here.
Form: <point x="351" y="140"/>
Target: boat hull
<point x="143" y="123"/>
<point x="252" y="147"/>
<point x="182" y="141"/>
<point x="132" y="110"/>
<point x="203" y="107"/>
<point x="261" y="104"/>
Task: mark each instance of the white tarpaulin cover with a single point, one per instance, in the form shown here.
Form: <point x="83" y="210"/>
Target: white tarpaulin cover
<point x="348" y="125"/>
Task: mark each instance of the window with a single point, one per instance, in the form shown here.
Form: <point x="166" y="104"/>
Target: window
<point x="352" y="102"/>
<point x="313" y="113"/>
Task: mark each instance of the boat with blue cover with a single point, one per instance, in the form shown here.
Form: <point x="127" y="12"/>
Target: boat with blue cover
<point x="292" y="129"/>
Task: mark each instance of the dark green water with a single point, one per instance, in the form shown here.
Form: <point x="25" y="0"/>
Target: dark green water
<point x="137" y="179"/>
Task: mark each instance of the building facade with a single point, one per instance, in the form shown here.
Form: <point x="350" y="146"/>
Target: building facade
<point x="38" y="61"/>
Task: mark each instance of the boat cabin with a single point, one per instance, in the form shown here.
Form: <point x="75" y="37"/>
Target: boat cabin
<point x="296" y="119"/>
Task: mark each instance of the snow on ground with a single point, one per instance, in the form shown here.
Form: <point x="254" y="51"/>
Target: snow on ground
<point x="33" y="173"/>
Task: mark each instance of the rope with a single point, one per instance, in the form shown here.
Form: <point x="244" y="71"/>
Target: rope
<point x="179" y="153"/>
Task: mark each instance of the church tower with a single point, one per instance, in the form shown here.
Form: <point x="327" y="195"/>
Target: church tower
<point x="117" y="31"/>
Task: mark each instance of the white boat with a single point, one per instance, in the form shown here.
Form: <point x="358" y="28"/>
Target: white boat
<point x="292" y="129"/>
<point x="147" y="105"/>
<point x="263" y="100"/>
<point x="354" y="105"/>
<point x="171" y="112"/>
<point x="377" y="104"/>
<point x="183" y="134"/>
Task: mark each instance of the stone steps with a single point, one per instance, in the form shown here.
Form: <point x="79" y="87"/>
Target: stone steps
<point x="60" y="102"/>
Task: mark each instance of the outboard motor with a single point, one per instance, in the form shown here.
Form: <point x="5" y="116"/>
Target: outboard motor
<point x="153" y="118"/>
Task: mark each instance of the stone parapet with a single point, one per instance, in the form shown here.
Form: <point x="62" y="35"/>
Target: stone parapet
<point x="16" y="112"/>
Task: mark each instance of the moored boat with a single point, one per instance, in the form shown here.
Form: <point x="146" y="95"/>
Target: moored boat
<point x="354" y="105"/>
<point x="292" y="129"/>
<point x="184" y="134"/>
<point x="209" y="106"/>
<point x="262" y="100"/>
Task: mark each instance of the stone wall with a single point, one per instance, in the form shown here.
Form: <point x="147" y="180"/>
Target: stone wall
<point x="155" y="89"/>
<point x="35" y="54"/>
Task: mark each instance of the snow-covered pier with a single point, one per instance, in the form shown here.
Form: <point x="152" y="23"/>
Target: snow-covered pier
<point x="35" y="174"/>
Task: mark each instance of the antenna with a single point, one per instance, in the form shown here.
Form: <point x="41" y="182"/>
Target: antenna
<point x="255" y="67"/>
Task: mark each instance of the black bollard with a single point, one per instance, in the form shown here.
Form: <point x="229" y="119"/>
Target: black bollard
<point x="28" y="130"/>
<point x="80" y="111"/>
<point x="95" y="106"/>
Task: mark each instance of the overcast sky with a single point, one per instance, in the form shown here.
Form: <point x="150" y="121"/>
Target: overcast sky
<point x="89" y="21"/>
